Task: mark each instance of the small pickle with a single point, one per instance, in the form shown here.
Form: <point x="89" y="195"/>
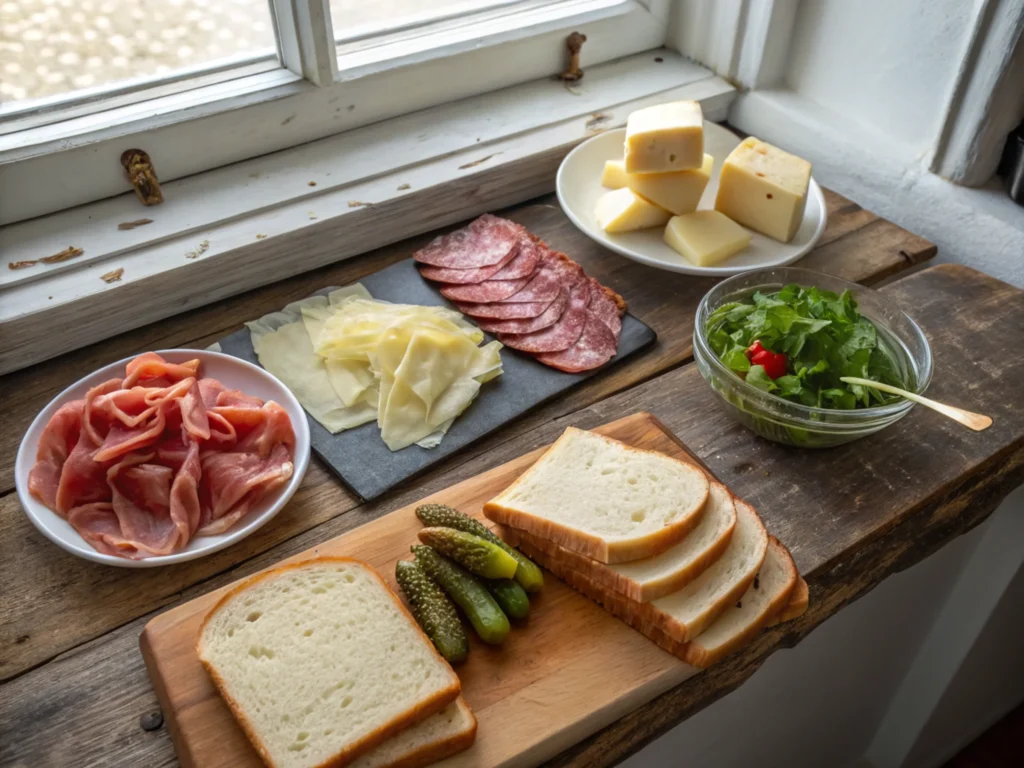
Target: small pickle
<point x="478" y="556"/>
<point x="483" y="612"/>
<point x="433" y="611"/>
<point x="511" y="597"/>
<point x="529" y="576"/>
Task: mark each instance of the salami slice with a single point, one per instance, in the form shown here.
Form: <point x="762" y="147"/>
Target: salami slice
<point x="525" y="263"/>
<point x="605" y="307"/>
<point x="555" y="272"/>
<point x="562" y="334"/>
<point x="478" y="275"/>
<point x="530" y="324"/>
<point x="503" y="311"/>
<point x="486" y="292"/>
<point x="483" y="243"/>
<point x="595" y="347"/>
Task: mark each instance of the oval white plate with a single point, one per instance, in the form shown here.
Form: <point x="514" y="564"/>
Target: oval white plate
<point x="234" y="374"/>
<point x="579" y="186"/>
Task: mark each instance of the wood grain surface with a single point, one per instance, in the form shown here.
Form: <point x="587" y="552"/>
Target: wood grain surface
<point x="861" y="247"/>
<point x="76" y="684"/>
<point x="533" y="697"/>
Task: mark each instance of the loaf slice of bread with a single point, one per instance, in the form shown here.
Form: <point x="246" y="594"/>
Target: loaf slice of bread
<point x="449" y="732"/>
<point x="796" y="607"/>
<point x="766" y="597"/>
<point x="320" y="662"/>
<point x="684" y="614"/>
<point x="661" y="575"/>
<point x="604" y="499"/>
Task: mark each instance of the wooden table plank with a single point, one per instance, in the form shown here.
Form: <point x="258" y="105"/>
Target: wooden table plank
<point x="886" y="516"/>
<point x="82" y="600"/>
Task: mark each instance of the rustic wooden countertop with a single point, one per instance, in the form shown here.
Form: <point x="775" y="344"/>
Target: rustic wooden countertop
<point x="74" y="688"/>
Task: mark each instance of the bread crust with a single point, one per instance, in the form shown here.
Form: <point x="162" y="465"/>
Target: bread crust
<point x="439" y="750"/>
<point x="797" y="605"/>
<point x="592" y="546"/>
<point x="424" y="709"/>
<point x="702" y="657"/>
<point x="690" y="652"/>
<point x="607" y="577"/>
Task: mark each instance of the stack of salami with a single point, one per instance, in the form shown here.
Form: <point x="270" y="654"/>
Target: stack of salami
<point x="532" y="298"/>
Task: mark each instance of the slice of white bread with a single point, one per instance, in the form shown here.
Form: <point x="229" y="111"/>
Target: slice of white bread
<point x="661" y="575"/>
<point x="739" y="623"/>
<point x="684" y="614"/>
<point x="320" y="662"/>
<point x="604" y="499"/>
<point x="796" y="607"/>
<point x="450" y="731"/>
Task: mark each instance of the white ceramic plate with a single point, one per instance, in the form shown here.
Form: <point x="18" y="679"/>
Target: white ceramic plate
<point x="579" y="186"/>
<point x="234" y="374"/>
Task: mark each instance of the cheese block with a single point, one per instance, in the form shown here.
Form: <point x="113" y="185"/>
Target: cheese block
<point x="614" y="175"/>
<point x="706" y="238"/>
<point x="764" y="188"/>
<point x="678" y="192"/>
<point x="666" y="137"/>
<point x="624" y="211"/>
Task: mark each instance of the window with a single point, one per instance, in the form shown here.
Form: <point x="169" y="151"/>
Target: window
<point x="199" y="85"/>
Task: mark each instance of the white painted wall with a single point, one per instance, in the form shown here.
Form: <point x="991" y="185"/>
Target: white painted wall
<point x="887" y="65"/>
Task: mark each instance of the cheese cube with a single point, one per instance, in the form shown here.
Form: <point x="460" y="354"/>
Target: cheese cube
<point x="764" y="188"/>
<point x="667" y="137"/>
<point x="614" y="175"/>
<point x="706" y="238"/>
<point x="678" y="191"/>
<point x="623" y="211"/>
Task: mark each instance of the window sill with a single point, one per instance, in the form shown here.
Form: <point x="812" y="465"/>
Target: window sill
<point x="253" y="223"/>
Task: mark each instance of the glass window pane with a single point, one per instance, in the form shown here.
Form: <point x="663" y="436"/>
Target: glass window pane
<point x="56" y="47"/>
<point x="352" y="18"/>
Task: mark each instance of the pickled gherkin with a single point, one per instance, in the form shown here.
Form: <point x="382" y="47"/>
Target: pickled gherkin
<point x="528" y="574"/>
<point x="511" y="597"/>
<point x="466" y="591"/>
<point x="477" y="555"/>
<point x="433" y="611"/>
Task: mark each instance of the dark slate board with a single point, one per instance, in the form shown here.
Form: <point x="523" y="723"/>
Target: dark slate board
<point x="361" y="459"/>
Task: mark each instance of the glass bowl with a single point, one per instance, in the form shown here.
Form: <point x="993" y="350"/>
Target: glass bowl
<point x="792" y="423"/>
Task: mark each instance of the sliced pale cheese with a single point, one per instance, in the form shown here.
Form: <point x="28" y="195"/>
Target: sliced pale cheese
<point x="614" y="175"/>
<point x="764" y="188"/>
<point x="706" y="238"/>
<point x="351" y="359"/>
<point x="665" y="137"/>
<point x="678" y="192"/>
<point x="622" y="210"/>
<point x="284" y="348"/>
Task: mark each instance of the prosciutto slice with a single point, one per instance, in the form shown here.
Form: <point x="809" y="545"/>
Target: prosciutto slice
<point x="143" y="464"/>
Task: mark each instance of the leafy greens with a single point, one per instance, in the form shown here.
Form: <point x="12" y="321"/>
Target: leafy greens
<point x="823" y="337"/>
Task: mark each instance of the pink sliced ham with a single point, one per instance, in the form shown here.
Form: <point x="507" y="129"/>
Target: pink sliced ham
<point x="483" y="243"/>
<point x="141" y="465"/>
<point x="563" y="334"/>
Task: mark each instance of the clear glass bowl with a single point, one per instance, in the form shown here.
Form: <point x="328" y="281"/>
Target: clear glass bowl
<point x="793" y="423"/>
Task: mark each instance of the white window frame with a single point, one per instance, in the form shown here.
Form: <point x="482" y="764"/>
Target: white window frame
<point x="412" y="169"/>
<point x="314" y="95"/>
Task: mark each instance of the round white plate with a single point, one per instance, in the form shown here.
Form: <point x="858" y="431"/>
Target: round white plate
<point x="234" y="374"/>
<point x="579" y="186"/>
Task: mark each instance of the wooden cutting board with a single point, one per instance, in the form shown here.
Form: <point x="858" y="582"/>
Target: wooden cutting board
<point x="570" y="671"/>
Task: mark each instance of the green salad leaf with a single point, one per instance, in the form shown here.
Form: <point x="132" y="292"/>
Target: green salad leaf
<point x="823" y="337"/>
